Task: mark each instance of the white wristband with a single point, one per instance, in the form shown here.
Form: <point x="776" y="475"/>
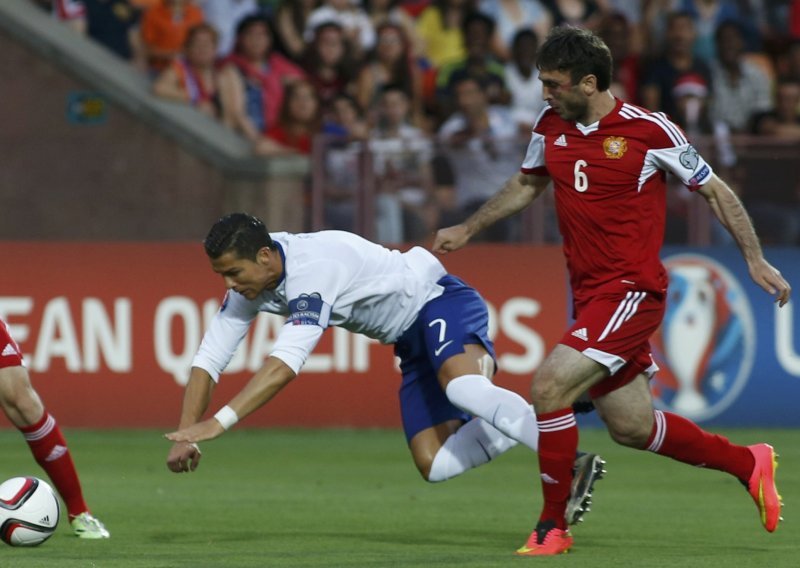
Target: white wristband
<point x="227" y="417"/>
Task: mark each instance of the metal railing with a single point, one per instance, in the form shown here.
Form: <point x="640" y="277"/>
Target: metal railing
<point x="760" y="169"/>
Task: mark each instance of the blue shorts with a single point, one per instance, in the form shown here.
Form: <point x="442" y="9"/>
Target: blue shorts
<point x="444" y="326"/>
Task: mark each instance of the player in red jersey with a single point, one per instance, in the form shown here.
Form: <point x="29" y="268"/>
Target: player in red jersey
<point x="608" y="162"/>
<point x="23" y="407"/>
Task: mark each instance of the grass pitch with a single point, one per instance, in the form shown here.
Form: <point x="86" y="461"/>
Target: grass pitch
<point x="285" y="498"/>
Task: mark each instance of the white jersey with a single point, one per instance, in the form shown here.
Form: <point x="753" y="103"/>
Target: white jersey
<point x="330" y="278"/>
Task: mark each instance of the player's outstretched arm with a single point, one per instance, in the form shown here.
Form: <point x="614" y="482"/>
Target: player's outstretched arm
<point x="265" y="384"/>
<point x="185" y="456"/>
<point x="516" y="194"/>
<point x="732" y="214"/>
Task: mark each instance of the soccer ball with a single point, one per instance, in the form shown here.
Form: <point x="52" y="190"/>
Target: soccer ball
<point x="29" y="511"/>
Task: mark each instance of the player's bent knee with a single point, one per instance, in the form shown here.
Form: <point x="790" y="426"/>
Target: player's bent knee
<point x="18" y="399"/>
<point x="630" y="435"/>
<point x="423" y="460"/>
<point x="545" y="390"/>
<point x="424" y="467"/>
<point x="629" y="425"/>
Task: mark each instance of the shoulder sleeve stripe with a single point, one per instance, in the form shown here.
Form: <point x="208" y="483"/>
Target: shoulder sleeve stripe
<point x="671" y="125"/>
<point x="670" y="129"/>
<point x="676" y="141"/>
<point x="660" y="116"/>
<point x="675" y="133"/>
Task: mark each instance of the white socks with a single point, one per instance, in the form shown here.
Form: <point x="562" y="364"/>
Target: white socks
<point x="474" y="444"/>
<point x="503" y="418"/>
<point x="503" y="409"/>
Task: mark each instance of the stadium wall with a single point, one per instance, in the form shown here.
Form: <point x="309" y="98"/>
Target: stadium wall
<point x="109" y="331"/>
<point x="89" y="152"/>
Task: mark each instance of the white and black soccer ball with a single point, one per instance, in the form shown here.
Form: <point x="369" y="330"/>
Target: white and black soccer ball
<point x="29" y="511"/>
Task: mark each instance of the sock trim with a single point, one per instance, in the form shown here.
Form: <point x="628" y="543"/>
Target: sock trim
<point x="659" y="431"/>
<point x="41" y="430"/>
<point x="556" y="424"/>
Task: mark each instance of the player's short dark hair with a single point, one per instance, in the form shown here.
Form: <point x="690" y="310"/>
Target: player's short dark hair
<point x="238" y="232"/>
<point x="578" y="52"/>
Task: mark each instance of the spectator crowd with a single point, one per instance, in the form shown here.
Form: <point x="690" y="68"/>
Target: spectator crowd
<point x="443" y="93"/>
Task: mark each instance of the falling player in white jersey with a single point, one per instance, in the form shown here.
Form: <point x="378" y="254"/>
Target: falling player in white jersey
<point x="437" y="324"/>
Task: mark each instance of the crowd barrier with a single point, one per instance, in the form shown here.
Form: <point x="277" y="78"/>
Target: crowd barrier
<point x="109" y="331"/>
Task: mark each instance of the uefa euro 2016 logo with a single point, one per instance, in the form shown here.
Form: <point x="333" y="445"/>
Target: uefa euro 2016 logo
<point x="706" y="344"/>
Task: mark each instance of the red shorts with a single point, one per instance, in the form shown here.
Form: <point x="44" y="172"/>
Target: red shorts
<point x="10" y="353"/>
<point x="614" y="329"/>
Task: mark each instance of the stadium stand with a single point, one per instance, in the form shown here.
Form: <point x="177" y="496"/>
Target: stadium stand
<point x="179" y="145"/>
<point x="108" y="158"/>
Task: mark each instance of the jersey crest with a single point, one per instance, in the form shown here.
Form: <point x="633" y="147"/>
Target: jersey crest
<point x="615" y="147"/>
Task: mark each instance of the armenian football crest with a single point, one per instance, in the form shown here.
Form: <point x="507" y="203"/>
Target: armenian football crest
<point x="615" y="147"/>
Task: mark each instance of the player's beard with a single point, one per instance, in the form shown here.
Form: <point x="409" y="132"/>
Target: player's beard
<point x="573" y="108"/>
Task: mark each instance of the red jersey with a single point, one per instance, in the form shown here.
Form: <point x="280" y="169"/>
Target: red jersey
<point x="609" y="180"/>
<point x="10" y="353"/>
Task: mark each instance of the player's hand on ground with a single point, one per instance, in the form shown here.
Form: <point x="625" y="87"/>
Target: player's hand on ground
<point x="450" y="238"/>
<point x="771" y="280"/>
<point x="183" y="457"/>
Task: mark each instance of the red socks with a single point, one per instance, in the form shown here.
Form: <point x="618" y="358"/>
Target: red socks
<point x="683" y="440"/>
<point x="50" y="451"/>
<point x="672" y="436"/>
<point x="558" y="442"/>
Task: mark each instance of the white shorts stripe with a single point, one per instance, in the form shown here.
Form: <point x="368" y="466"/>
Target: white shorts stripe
<point x="46" y="428"/>
<point x="661" y="432"/>
<point x="632" y="307"/>
<point x="610" y="361"/>
<point x="636" y="305"/>
<point x="624" y="315"/>
<point x="622" y="306"/>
